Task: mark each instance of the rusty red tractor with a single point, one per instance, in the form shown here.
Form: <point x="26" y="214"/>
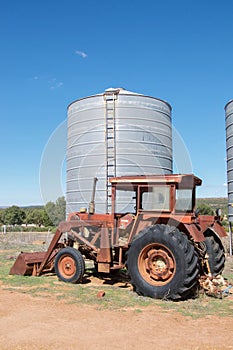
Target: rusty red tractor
<point x="164" y="244"/>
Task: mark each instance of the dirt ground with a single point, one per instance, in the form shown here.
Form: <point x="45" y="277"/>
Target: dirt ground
<point x="28" y="322"/>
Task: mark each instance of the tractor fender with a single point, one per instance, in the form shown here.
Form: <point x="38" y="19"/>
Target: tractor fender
<point x="211" y="232"/>
<point x="194" y="230"/>
<point x="213" y="223"/>
<point x="190" y="229"/>
<point x="218" y="229"/>
<point x="199" y="235"/>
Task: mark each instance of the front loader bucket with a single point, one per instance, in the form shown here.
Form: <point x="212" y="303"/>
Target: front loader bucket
<point x="34" y="264"/>
<point x="27" y="263"/>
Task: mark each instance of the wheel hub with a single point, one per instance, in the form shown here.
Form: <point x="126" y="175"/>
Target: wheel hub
<point x="156" y="264"/>
<point x="159" y="264"/>
<point x="67" y="266"/>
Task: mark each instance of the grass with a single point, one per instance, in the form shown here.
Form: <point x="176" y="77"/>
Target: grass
<point x="202" y="306"/>
<point x="118" y="296"/>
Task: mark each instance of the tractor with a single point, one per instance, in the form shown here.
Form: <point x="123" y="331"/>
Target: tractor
<point x="159" y="237"/>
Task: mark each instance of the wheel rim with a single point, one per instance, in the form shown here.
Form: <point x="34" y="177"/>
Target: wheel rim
<point x="67" y="266"/>
<point x="156" y="264"/>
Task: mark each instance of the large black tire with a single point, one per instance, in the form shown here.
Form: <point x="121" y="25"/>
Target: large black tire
<point x="69" y="265"/>
<point x="162" y="263"/>
<point x="216" y="253"/>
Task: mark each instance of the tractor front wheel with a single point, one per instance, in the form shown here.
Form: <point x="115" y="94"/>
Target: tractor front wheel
<point x="162" y="263"/>
<point x="69" y="265"/>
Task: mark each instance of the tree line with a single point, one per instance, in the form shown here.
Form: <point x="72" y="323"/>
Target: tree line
<point x="53" y="213"/>
<point x="49" y="215"/>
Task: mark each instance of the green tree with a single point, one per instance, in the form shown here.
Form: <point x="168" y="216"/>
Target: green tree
<point x="50" y="210"/>
<point x="205" y="209"/>
<point x="13" y="215"/>
<point x="1" y="218"/>
<point x="46" y="219"/>
<point x="35" y="216"/>
<point x="56" y="211"/>
<point x="60" y="209"/>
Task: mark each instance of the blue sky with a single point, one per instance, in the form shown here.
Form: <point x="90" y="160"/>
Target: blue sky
<point x="54" y="52"/>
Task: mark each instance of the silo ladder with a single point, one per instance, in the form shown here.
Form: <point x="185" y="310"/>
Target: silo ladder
<point x="110" y="98"/>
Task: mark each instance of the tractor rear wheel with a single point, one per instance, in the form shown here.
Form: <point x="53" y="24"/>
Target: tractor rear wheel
<point x="69" y="265"/>
<point x="216" y="253"/>
<point x="162" y="263"/>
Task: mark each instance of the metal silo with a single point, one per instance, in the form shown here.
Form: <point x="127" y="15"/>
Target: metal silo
<point x="229" y="146"/>
<point x="112" y="134"/>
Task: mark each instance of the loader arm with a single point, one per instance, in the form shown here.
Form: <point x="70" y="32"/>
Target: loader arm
<point x="36" y="263"/>
<point x="50" y="250"/>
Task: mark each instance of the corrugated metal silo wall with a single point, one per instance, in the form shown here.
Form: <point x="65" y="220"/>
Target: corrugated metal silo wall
<point x="113" y="134"/>
<point x="229" y="147"/>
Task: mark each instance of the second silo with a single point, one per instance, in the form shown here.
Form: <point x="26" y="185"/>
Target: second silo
<point x="229" y="146"/>
<point x="113" y="134"/>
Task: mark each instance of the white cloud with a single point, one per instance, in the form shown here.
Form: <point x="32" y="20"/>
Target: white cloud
<point x="54" y="84"/>
<point x="81" y="53"/>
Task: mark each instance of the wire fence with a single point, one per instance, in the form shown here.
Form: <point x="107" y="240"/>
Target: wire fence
<point x="41" y="239"/>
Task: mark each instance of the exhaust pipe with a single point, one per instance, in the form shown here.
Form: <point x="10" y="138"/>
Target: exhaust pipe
<point x="92" y="202"/>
